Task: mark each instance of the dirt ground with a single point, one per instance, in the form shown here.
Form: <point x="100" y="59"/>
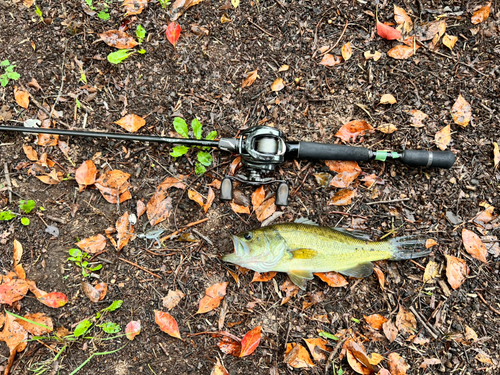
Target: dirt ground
<point x="202" y="78"/>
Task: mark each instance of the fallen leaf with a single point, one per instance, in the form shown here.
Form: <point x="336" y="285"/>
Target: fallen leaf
<point x="431" y="271"/>
<point x="102" y="288"/>
<point x="430" y="362"/>
<point x="210" y="199"/>
<point x="131" y="122"/>
<point x="176" y="182"/>
<point x="263" y="277"/>
<point x="250" y="79"/>
<point x="134" y="7"/>
<point x="431" y="30"/>
<point x="18" y="252"/>
<point x="387" y="32"/>
<point x="406" y="322"/>
<point x="230" y="346"/>
<point x="387" y="99"/>
<point x="86" y="174"/>
<point x="330" y="60"/>
<point x="213" y="297"/>
<point x="375" y="321"/>
<point x="347" y="51"/>
<point x="172" y="299"/>
<point x="417" y="118"/>
<point x="474" y="246"/>
<point x="380" y="276"/>
<point x="180" y="6"/>
<point x="19" y="270"/>
<point x="118" y="39"/>
<point x="375" y="358"/>
<point x="449" y="41"/>
<point x="323" y="179"/>
<point x="159" y="206"/>
<point x="485" y="216"/>
<point x="375" y="56"/>
<point x="133" y="328"/>
<point x="114" y="185"/>
<point x="443" y="137"/>
<point x="13" y="290"/>
<point x="397" y="364"/>
<point x="173" y="32"/>
<point x="456" y="271"/>
<point x="277" y="85"/>
<point x="125" y="231"/>
<point x="258" y="197"/>
<point x="92" y="244"/>
<point x="481" y="14"/>
<point x="342" y="197"/>
<point x="22" y="97"/>
<point x="318" y="347"/>
<point x="235" y="165"/>
<point x="333" y="279"/>
<point x="390" y="330"/>
<point x="484" y="358"/>
<point x="54" y="299"/>
<point x="195" y="196"/>
<point x="290" y="290"/>
<point x="461" y="111"/>
<point x="250" y="341"/>
<point x="387" y="128"/>
<point x="34" y="329"/>
<point x="353" y="129"/>
<point x="347" y="171"/>
<point x="13" y="334"/>
<point x="383" y="371"/>
<point x="30" y="153"/>
<point x="372" y="179"/>
<point x="470" y="334"/>
<point x="219" y="369"/>
<point x="225" y="18"/>
<point x="283" y="68"/>
<point x="167" y="324"/>
<point x="296" y="356"/>
<point x="141" y="208"/>
<point x="430" y="243"/>
<point x="401" y="52"/>
<point x="265" y="210"/>
<point x="402" y="19"/>
<point x="239" y="209"/>
<point x="92" y="293"/>
<point x="357" y="357"/>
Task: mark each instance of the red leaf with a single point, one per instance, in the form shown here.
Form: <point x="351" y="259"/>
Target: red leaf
<point x="230" y="346"/>
<point x="54" y="299"/>
<point x="173" y="32"/>
<point x="213" y="297"/>
<point x="167" y="324"/>
<point x="250" y="341"/>
<point x="387" y="32"/>
<point x="12" y="291"/>
<point x="133" y="329"/>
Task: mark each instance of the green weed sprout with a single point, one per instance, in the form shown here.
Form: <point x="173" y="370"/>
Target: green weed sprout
<point x="9" y="74"/>
<point x="80" y="259"/>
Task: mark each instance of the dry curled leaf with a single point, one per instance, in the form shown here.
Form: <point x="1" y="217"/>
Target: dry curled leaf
<point x="277" y="85"/>
<point x="401" y="52"/>
<point x="265" y="210"/>
<point x="86" y="174"/>
<point x="375" y="56"/>
<point x="431" y="30"/>
<point x="333" y="279"/>
<point x="92" y="293"/>
<point x="417" y="117"/>
<point x="131" y="122"/>
<point x="431" y="271"/>
<point x="443" y="137"/>
<point x="485" y="216"/>
<point x="18" y="252"/>
<point x="290" y="290"/>
<point x="250" y="79"/>
<point x="213" y="297"/>
<point x="375" y="321"/>
<point x="22" y="97"/>
<point x="195" y="196"/>
<point x="34" y="329"/>
<point x="461" y="112"/>
<point x="347" y="171"/>
<point x="430" y="362"/>
<point x="219" y="369"/>
<point x="172" y="299"/>
<point x="380" y="276"/>
<point x="449" y="41"/>
<point x="167" y="324"/>
<point x="330" y="60"/>
<point x="263" y="277"/>
<point x="180" y="6"/>
<point x="13" y="334"/>
<point x="296" y="356"/>
<point x="239" y="209"/>
<point x="357" y="357"/>
<point x="390" y="330"/>
<point x="114" y="185"/>
<point x="318" y="347"/>
<point x="118" y="39"/>
<point x="405" y="321"/>
<point x="481" y="14"/>
<point x="92" y="244"/>
<point x="283" y="68"/>
<point x="210" y="200"/>
<point x="133" y="7"/>
<point x="30" y="153"/>
<point x="124" y="230"/>
<point x="342" y="197"/>
<point x="387" y="128"/>
<point x="387" y="99"/>
<point x="102" y="288"/>
<point x="397" y="364"/>
<point x="456" y="271"/>
<point x="474" y="246"/>
<point x="258" y="197"/>
<point x="354" y="129"/>
<point x="347" y="51"/>
<point x="402" y="19"/>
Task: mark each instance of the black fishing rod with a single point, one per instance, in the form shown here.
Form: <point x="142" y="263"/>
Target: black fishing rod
<point x="262" y="148"/>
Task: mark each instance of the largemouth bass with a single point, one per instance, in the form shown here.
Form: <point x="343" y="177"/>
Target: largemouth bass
<point x="303" y="249"/>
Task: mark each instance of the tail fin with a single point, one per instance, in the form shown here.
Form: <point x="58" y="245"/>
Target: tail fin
<point x="410" y="247"/>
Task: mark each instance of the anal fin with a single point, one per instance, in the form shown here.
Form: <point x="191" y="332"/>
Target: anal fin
<point x="299" y="278"/>
<point x="359" y="271"/>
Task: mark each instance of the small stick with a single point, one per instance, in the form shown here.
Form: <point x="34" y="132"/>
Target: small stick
<point x="487" y="304"/>
<point x="57" y="219"/>
<point x="204" y="237"/>
<point x="390" y="201"/>
<point x="338" y="40"/>
<point x="62" y="83"/>
<point x="421" y="320"/>
<point x="7" y="178"/>
<point x="141" y="268"/>
<point x="183" y="229"/>
<point x="261" y="29"/>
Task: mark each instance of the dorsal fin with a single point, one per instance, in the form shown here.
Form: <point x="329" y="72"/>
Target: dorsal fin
<point x="305" y="220"/>
<point x="354" y="233"/>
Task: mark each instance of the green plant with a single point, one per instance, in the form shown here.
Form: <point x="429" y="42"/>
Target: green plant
<point x="9" y="73"/>
<point x="24" y="206"/>
<point x="120" y="55"/>
<point x="204" y="158"/>
<point x="80" y="259"/>
<point x="39" y="13"/>
<point x="164" y="3"/>
<point x="103" y="15"/>
<point x="27" y="206"/>
<point x="140" y="32"/>
<point x="89" y="3"/>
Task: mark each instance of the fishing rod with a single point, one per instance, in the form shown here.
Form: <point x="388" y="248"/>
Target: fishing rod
<point x="263" y="148"/>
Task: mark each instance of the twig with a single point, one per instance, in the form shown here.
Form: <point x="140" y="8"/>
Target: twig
<point x="261" y="29"/>
<point x="487" y="304"/>
<point x="338" y="40"/>
<point x="391" y="201"/>
<point x="207" y="240"/>
<point x="57" y="219"/>
<point x="7" y="178"/>
<point x="62" y="82"/>
<point x="333" y="354"/>
<point x="183" y="229"/>
<point x="422" y="321"/>
<point x="141" y="268"/>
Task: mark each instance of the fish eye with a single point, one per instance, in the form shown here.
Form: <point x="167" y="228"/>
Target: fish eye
<point x="248" y="236"/>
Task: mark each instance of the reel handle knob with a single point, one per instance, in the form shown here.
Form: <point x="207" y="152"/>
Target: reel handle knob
<point x="226" y="190"/>
<point x="282" y="194"/>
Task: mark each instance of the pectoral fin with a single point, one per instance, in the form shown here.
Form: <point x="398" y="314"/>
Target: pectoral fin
<point x="299" y="278"/>
<point x="304" y="253"/>
<point x="359" y="271"/>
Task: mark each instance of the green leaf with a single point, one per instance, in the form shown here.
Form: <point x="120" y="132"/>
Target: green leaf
<point x="27" y="206"/>
<point x="355" y="320"/>
<point x="13" y="75"/>
<point x="78" y="105"/>
<point x="38" y="11"/>
<point x="5" y="63"/>
<point x="89" y="3"/>
<point x="7" y="215"/>
<point x="4" y="80"/>
<point x="75" y="253"/>
<point x="199" y="169"/>
<point x="142" y="51"/>
<point x="328" y="335"/>
<point x="25" y="221"/>
<point x="197" y="128"/>
<point x="141" y="33"/>
<point x="205" y="158"/>
<point x="103" y="15"/>
<point x="41" y="208"/>
<point x="114" y="306"/>
<point x="179" y="151"/>
<point x="120" y="55"/>
<point x="181" y="127"/>
<point x="110" y="327"/>
<point x="82" y="327"/>
<point x="10" y="68"/>
<point x="212" y="135"/>
<point x="96" y="268"/>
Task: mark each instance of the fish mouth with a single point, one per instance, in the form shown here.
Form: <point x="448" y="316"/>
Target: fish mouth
<point x="240" y="249"/>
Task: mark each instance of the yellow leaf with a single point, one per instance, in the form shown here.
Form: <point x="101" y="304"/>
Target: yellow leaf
<point x="443" y="137"/>
<point x="277" y="85"/>
<point x="375" y="56"/>
<point x="387" y="128"/>
<point x="496" y="154"/>
<point x="225" y="18"/>
<point x="449" y="41"/>
<point x="283" y="68"/>
<point x="375" y="358"/>
<point x="431" y="271"/>
<point x="347" y="51"/>
<point x="387" y="99"/>
<point x="235" y="3"/>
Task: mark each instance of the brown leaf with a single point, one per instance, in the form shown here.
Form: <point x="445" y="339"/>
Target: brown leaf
<point x="402" y="19"/>
<point x="213" y="297"/>
<point x="347" y="171"/>
<point x="92" y="293"/>
<point x="239" y="209"/>
<point x="430" y="362"/>
<point x="258" y="197"/>
<point x="92" y="244"/>
<point x="417" y="118"/>
<point x="290" y="290"/>
<point x="330" y="60"/>
<point x="313" y="299"/>
<point x="333" y="279"/>
<point x="195" y="196"/>
<point x="118" y="39"/>
<point x="296" y="356"/>
<point x="397" y="365"/>
<point x="158" y="208"/>
<point x="372" y="179"/>
<point x="387" y="99"/>
<point x="354" y="129"/>
<point x="14" y="334"/>
<point x="250" y="79"/>
<point x="277" y="85"/>
<point x="13" y="290"/>
<point x="102" y="288"/>
<point x="431" y="29"/>
<point x="132" y="329"/>
<point x="484" y="358"/>
<point x="22" y="97"/>
<point x="30" y="153"/>
<point x="443" y="137"/>
<point x="141" y="208"/>
<point x="210" y="200"/>
<point x="113" y="185"/>
<point x="167" y="324"/>
<point x="318" y="347"/>
<point x="235" y="165"/>
<point x="86" y="174"/>
<point x="357" y="357"/>
<point x="390" y="330"/>
<point x="131" y="122"/>
<point x="387" y="128"/>
<point x="33" y="328"/>
<point x="133" y="7"/>
<point x="180" y="6"/>
<point x="265" y="210"/>
<point x="375" y="321"/>
<point x="342" y="197"/>
<point x="263" y="277"/>
<point x="19" y="270"/>
<point x="176" y="182"/>
<point x="375" y="56"/>
<point x="172" y="299"/>
<point x="461" y="111"/>
<point x="470" y="334"/>
<point x="18" y="252"/>
<point x="250" y="341"/>
<point x="406" y="322"/>
<point x="481" y="14"/>
<point x="219" y="369"/>
<point x="449" y="41"/>
<point x="485" y="216"/>
<point x="125" y="231"/>
<point x="474" y="246"/>
<point x="230" y="345"/>
<point x="347" y="51"/>
<point x="401" y="52"/>
<point x="430" y="243"/>
<point x="456" y="271"/>
<point x="431" y="271"/>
